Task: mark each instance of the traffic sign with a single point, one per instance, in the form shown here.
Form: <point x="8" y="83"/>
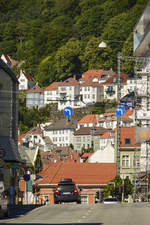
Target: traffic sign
<point x="120" y="111"/>
<point x="2" y="152"/>
<point x="26" y="177"/>
<point x="68" y="111"/>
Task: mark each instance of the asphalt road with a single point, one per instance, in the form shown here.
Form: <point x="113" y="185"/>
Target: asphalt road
<point x="73" y="214"/>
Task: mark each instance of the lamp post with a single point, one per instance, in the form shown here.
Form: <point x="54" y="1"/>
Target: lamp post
<point x="104" y="45"/>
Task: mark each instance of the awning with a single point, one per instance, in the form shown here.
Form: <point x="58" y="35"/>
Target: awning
<point x="10" y="150"/>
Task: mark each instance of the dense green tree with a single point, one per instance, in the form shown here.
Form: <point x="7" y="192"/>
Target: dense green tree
<point x="67" y="59"/>
<point x="88" y="23"/>
<point x="46" y="73"/>
<point x="95" y="57"/>
<point x="33" y="30"/>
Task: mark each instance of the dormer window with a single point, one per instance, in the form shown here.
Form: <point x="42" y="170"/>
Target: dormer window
<point x="127" y="141"/>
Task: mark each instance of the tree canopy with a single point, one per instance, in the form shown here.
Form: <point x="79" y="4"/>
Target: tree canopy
<point x="59" y="38"/>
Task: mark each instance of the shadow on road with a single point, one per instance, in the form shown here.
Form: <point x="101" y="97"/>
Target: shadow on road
<point x="54" y="224"/>
<point x="18" y="210"/>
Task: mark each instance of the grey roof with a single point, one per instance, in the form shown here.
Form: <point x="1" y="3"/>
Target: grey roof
<point x="47" y="140"/>
<point x="62" y="124"/>
<point x="11" y="149"/>
<point x="5" y="67"/>
<point x="95" y="131"/>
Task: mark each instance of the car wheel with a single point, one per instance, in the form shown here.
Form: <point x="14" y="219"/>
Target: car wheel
<point x="56" y="202"/>
<point x="78" y="202"/>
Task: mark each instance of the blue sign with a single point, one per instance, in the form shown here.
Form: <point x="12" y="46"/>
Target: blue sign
<point x="120" y="111"/>
<point x="68" y="111"/>
<point x="26" y="177"/>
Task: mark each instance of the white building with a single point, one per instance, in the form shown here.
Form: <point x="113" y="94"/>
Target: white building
<point x="69" y="94"/>
<point x="51" y="94"/>
<point x="61" y="132"/>
<point x="107" y="155"/>
<point x="26" y="81"/>
<point x="108" y="137"/>
<point x="35" y="97"/>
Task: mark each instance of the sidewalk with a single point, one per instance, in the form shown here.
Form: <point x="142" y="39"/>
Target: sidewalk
<point x="18" y="210"/>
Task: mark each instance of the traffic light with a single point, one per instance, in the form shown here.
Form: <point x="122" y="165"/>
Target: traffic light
<point x="121" y="188"/>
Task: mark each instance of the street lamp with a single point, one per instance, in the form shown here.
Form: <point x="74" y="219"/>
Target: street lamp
<point x="104" y="45"/>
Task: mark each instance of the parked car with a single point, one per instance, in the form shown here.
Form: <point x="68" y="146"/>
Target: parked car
<point x="66" y="191"/>
<point x="110" y="201"/>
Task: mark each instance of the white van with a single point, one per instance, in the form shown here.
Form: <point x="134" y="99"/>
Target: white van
<point x="110" y="200"/>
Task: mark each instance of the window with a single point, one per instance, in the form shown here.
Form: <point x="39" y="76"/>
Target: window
<point x="84" y="199"/>
<point x="127" y="141"/>
<point x="78" y="139"/>
<point x="125" y="161"/>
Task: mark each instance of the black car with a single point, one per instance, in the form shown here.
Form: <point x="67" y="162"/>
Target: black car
<point x="66" y="191"/>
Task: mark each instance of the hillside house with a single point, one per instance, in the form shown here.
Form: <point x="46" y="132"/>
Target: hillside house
<point x="129" y="153"/>
<point x="34" y="137"/>
<point x="61" y="132"/>
<point x="69" y="94"/>
<point x="26" y="81"/>
<point x="9" y="61"/>
<point x="35" y="97"/>
<point x="87" y="138"/>
<point x="51" y="93"/>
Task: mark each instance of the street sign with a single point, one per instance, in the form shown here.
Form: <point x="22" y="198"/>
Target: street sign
<point x="15" y="166"/>
<point x="26" y="177"/>
<point x="2" y="152"/>
<point x="7" y="166"/>
<point x="120" y="111"/>
<point x="68" y="111"/>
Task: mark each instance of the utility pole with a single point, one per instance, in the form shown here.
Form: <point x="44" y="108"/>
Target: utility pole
<point x="118" y="118"/>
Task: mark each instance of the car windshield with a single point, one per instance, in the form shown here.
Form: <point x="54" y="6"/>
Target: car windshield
<point x="66" y="187"/>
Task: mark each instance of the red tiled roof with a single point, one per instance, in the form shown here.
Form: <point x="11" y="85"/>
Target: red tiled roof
<point x="70" y="82"/>
<point x="81" y="173"/>
<point x="90" y="82"/>
<point x="110" y="80"/>
<point x="29" y="77"/>
<point x="53" y="86"/>
<point x="108" y="135"/>
<point x="34" y="130"/>
<point x="91" y="74"/>
<point x="128" y="132"/>
<point x="89" y="118"/>
<point x="20" y="137"/>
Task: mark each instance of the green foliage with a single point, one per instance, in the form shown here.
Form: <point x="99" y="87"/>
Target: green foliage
<point x="29" y="118"/>
<point x="67" y="59"/>
<point x="116" y="186"/>
<point x="67" y="34"/>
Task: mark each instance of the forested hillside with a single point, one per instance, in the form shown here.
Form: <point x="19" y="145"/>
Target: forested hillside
<point x="59" y="38"/>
